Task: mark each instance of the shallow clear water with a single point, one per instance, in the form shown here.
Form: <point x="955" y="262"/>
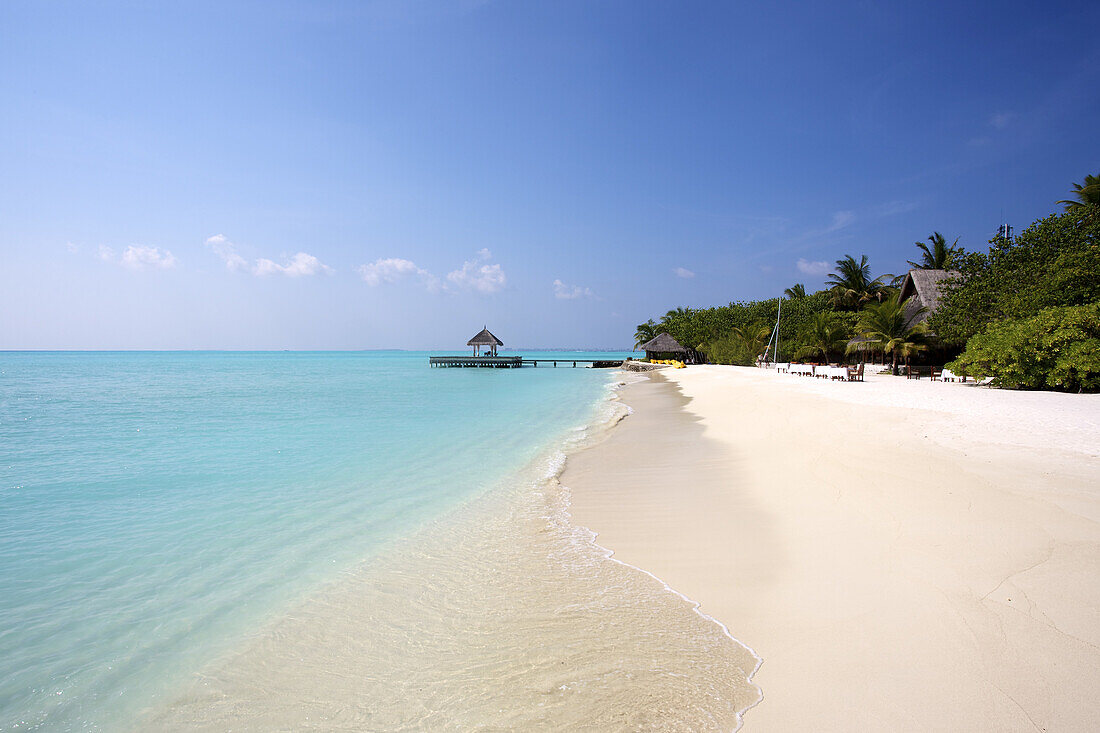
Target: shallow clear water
<point x="195" y="539"/>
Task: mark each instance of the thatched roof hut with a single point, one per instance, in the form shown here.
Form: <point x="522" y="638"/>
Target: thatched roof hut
<point x="484" y="338"/>
<point x="920" y="289"/>
<point x="923" y="289"/>
<point x="663" y="347"/>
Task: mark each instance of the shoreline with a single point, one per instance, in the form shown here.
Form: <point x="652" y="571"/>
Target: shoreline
<point x="501" y="612"/>
<point x="896" y="567"/>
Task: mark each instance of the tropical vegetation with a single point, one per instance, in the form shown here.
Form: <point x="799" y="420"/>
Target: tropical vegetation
<point x="826" y="334"/>
<point x="1057" y="348"/>
<point x="1055" y="262"/>
<point x="797" y="290"/>
<point x="892" y="329"/>
<point x="646" y="332"/>
<point x="940" y="256"/>
<point x="1087" y="193"/>
<point x="1025" y="312"/>
<point x="852" y="285"/>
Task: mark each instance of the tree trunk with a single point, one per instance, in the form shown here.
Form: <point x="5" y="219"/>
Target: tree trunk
<point x="894" y="363"/>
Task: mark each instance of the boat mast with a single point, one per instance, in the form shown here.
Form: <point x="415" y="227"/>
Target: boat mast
<point x="773" y="340"/>
<point x="778" y="313"/>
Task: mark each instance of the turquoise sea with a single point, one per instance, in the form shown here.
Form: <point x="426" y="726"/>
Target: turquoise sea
<point x="158" y="509"/>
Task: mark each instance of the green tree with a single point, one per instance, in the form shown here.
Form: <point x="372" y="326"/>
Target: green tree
<point x="1087" y="193"/>
<point x="1053" y="263"/>
<point x="797" y="290"/>
<point x="740" y="346"/>
<point x="887" y="328"/>
<point x="1058" y="348"/>
<point x="940" y="256"/>
<point x="645" y="332"/>
<point x="753" y="338"/>
<point x="826" y="335"/>
<point x="711" y="330"/>
<point x="852" y="285"/>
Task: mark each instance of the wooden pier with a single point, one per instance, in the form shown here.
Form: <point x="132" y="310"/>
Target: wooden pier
<point x="491" y="362"/>
<point x="515" y="362"/>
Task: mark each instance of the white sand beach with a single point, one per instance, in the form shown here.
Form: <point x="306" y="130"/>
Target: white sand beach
<point x="903" y="555"/>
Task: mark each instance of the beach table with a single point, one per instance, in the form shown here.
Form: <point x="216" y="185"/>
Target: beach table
<point x="950" y="376"/>
<point x="803" y="369"/>
<point x="782" y="366"/>
<point x="836" y="372"/>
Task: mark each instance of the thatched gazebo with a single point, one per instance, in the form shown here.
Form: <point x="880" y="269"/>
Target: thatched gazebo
<point x="923" y="289"/>
<point x="485" y="339"/>
<point x="663" y="347"/>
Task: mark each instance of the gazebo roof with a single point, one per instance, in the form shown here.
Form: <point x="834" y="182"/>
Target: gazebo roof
<point x="663" y="343"/>
<point x="928" y="284"/>
<point x="485" y="338"/>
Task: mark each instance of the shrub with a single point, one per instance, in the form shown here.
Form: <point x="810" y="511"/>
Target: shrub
<point x="729" y="350"/>
<point x="1053" y="263"/>
<point x="1059" y="348"/>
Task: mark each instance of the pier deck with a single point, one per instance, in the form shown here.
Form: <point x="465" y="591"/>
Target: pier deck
<point x="514" y="362"/>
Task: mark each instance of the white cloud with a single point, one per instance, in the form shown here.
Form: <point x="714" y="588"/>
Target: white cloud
<point x="137" y="257"/>
<point x="1001" y="120"/>
<point x="73" y="248"/>
<point x="478" y="275"/>
<point x="570" y="292"/>
<point x="892" y="208"/>
<point x="225" y="249"/>
<point x="841" y="219"/>
<point x="683" y="272"/>
<point x="390" y="270"/>
<point x="105" y="253"/>
<point x="812" y="268"/>
<point x="300" y="265"/>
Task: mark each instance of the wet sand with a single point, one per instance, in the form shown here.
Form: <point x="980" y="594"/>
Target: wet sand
<point x="904" y="556"/>
<point x="502" y="615"/>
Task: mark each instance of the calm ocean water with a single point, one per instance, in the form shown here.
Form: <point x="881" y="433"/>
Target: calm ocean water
<point x="162" y="512"/>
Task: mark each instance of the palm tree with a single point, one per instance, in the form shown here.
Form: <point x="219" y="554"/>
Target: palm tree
<point x="752" y="338"/>
<point x="852" y="285"/>
<point x="826" y="335"/>
<point x="645" y="332"/>
<point x="795" y="291"/>
<point x="1087" y="193"/>
<point x="886" y="327"/>
<point x="940" y="256"/>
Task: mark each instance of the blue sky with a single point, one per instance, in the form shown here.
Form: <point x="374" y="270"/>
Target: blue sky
<point x="397" y="174"/>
